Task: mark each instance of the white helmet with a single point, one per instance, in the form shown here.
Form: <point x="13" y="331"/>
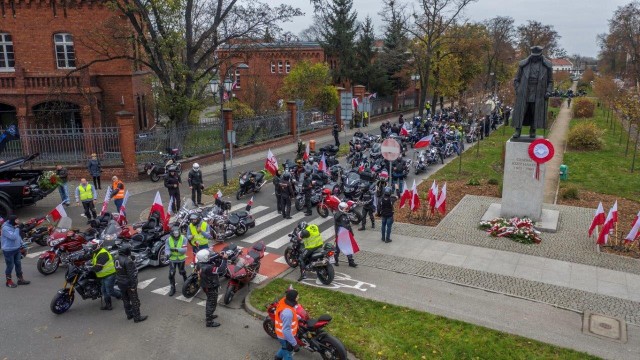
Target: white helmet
<point x="203" y="256"/>
<point x="196" y="166"/>
<point x="343" y="206"/>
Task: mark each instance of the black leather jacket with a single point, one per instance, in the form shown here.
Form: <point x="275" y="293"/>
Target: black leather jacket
<point x="341" y="220"/>
<point x="126" y="272"/>
<point x="171" y="182"/>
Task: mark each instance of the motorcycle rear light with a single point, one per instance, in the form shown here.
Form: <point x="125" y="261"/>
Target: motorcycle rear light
<point x="330" y="253"/>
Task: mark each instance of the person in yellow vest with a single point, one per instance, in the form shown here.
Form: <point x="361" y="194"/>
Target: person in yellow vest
<point x="87" y="194"/>
<point x="103" y="266"/>
<point x="198" y="233"/>
<point x="312" y="241"/>
<point x="176" y="249"/>
<point x="365" y="118"/>
<point x="286" y="324"/>
<point x="117" y="192"/>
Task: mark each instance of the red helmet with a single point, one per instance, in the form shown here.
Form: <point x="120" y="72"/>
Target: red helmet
<point x="326" y="192"/>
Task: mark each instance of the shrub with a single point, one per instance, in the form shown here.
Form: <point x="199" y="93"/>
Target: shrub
<point x="570" y="193"/>
<point x="473" y="182"/>
<point x="583" y="108"/>
<point x="493" y="181"/>
<point x="585" y="136"/>
<point x="555" y="102"/>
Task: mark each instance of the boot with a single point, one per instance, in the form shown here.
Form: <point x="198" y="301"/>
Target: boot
<point x="22" y="281"/>
<point x="129" y="312"/>
<point x="532" y="132"/>
<point x="373" y="224"/>
<point x="517" y="134"/>
<point x="173" y="290"/>
<point x="140" y="318"/>
<point x="107" y="305"/>
<point x="10" y="283"/>
<point x="335" y="257"/>
<point x="352" y="263"/>
<point x="302" y="275"/>
<point x="361" y="228"/>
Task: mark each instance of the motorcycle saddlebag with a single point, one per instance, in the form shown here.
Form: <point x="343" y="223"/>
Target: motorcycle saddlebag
<point x="367" y="175"/>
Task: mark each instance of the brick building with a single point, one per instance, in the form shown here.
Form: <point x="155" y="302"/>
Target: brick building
<point x="268" y="63"/>
<point x="44" y="45"/>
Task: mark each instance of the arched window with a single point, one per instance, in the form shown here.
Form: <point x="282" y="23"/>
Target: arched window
<point x="58" y="114"/>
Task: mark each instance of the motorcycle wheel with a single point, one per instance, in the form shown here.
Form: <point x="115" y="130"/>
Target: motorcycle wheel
<point x="154" y="176"/>
<point x="241" y="229"/>
<point x="332" y="349"/>
<point x="239" y="194"/>
<point x="326" y="274"/>
<point x="290" y="258"/>
<point x="356" y="218"/>
<point x="163" y="259"/>
<point x="323" y="211"/>
<point x="269" y="327"/>
<point x="228" y="295"/>
<point x="47" y="267"/>
<point x="43" y="241"/>
<point x="61" y="302"/>
<point x="299" y="204"/>
<point x="190" y="287"/>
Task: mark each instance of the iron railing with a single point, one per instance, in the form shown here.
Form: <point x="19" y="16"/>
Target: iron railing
<point x="261" y="128"/>
<point x="313" y="120"/>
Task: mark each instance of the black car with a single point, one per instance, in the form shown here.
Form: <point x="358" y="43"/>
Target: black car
<point x="19" y="186"/>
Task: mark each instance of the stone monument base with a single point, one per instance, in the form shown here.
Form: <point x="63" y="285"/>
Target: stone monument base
<point x="548" y="221"/>
<point x="522" y="193"/>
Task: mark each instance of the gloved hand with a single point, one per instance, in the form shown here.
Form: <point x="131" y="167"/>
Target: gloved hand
<point x="296" y="348"/>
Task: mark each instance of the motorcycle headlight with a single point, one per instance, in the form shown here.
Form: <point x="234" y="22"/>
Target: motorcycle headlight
<point x="110" y="237"/>
<point x="241" y="181"/>
<point x="55" y="242"/>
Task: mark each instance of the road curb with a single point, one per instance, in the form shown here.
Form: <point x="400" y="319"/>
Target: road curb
<point x="247" y="303"/>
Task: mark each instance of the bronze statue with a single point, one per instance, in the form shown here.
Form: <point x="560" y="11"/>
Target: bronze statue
<point x="533" y="84"/>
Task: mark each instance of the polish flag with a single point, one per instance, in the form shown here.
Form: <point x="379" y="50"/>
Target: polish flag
<point x="635" y="230"/>
<point x="432" y="196"/>
<point x="406" y="195"/>
<point x="354" y="102"/>
<point x="218" y="195"/>
<point x="249" y="204"/>
<point x="124" y="203"/>
<point x="322" y="166"/>
<point x="415" y="199"/>
<point x="603" y="236"/>
<point x="157" y="206"/>
<point x="305" y="156"/>
<point x="403" y="131"/>
<point x="424" y="142"/>
<point x="598" y="219"/>
<point x="105" y="204"/>
<point x="441" y="204"/>
<point x="58" y="213"/>
<point x="614" y="209"/>
<point x="346" y="242"/>
<point x="271" y="164"/>
<point x="170" y="206"/>
<point x="373" y="96"/>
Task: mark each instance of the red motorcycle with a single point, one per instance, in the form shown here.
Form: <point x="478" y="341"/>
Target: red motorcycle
<point x="244" y="270"/>
<point x="34" y="232"/>
<point x="331" y="202"/>
<point x="311" y="334"/>
<point x="64" y="241"/>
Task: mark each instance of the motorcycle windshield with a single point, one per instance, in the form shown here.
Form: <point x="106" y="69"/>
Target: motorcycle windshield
<point x="110" y="233"/>
<point x="64" y="225"/>
<point x="188" y="204"/>
<point x="352" y="178"/>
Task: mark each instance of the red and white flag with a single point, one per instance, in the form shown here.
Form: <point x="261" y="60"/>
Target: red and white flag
<point x="598" y="219"/>
<point x="635" y="230"/>
<point x="218" y="195"/>
<point x="433" y="196"/>
<point x="441" y="203"/>
<point x="424" y="142"/>
<point x="346" y="242"/>
<point x="157" y="206"/>
<point x="403" y="130"/>
<point x="124" y="204"/>
<point x="57" y="213"/>
<point x="615" y="211"/>
<point x="603" y="236"/>
<point x="170" y="206"/>
<point x="105" y="203"/>
<point x="354" y="102"/>
<point x="305" y="156"/>
<point x="373" y="96"/>
<point x="406" y="195"/>
<point x="225" y="97"/>
<point x="322" y="166"/>
<point x="271" y="164"/>
<point x="415" y="199"/>
<point x="249" y="204"/>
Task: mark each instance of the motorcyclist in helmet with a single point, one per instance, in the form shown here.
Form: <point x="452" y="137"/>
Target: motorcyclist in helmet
<point x="198" y="233"/>
<point x="299" y="168"/>
<point x="341" y="220"/>
<point x="368" y="208"/>
<point x="312" y="241"/>
<point x="210" y="281"/>
<point x="103" y="266"/>
<point x="127" y="280"/>
<point x="196" y="184"/>
<point x="172" y="183"/>
<point x="286" y="193"/>
<point x="175" y="248"/>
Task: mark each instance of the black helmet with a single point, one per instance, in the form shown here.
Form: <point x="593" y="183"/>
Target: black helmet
<point x="302" y="225"/>
<point x="194" y="217"/>
<point x="125" y="249"/>
<point x="387" y="190"/>
<point x="286" y="176"/>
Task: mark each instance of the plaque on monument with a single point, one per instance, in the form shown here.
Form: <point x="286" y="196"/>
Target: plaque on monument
<point x="522" y="193"/>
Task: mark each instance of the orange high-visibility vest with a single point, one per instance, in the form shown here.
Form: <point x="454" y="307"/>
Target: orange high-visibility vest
<point x="120" y="194"/>
<point x="294" y="321"/>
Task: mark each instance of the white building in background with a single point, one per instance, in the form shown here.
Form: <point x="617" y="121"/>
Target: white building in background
<point x="561" y="64"/>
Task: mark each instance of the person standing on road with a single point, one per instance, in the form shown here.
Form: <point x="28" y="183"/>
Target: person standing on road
<point x="386" y="211"/>
<point x="117" y="192"/>
<point x="176" y="249"/>
<point x="172" y="183"/>
<point x="286" y="193"/>
<point x="397" y="173"/>
<point x="198" y="233"/>
<point x="88" y="195"/>
<point x="103" y="266"/>
<point x="196" y="184"/>
<point x="95" y="170"/>
<point x="368" y="208"/>
<point x="63" y="188"/>
<point x="286" y="325"/>
<point x="307" y="187"/>
<point x="341" y="220"/>
<point x="11" y="242"/>
<point x="276" y="185"/>
<point x="336" y="132"/>
<point x="210" y="281"/>
<point x="127" y="280"/>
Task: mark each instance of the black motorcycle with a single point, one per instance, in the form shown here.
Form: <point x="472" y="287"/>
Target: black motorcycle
<point x="169" y="160"/>
<point x="321" y="260"/>
<point x="77" y="279"/>
<point x="192" y="285"/>
<point x="351" y="185"/>
<point x="223" y="226"/>
<point x="316" y="197"/>
<point x="147" y="246"/>
<point x="250" y="182"/>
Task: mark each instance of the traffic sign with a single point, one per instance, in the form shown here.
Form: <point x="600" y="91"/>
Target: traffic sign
<point x="390" y="149"/>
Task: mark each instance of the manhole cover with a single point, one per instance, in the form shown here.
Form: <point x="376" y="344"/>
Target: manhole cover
<point x="604" y="327"/>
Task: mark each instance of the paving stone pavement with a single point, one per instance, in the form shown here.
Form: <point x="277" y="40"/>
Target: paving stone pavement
<point x="570" y="243"/>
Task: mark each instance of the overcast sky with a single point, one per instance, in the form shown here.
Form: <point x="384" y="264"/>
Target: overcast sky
<point x="577" y="21"/>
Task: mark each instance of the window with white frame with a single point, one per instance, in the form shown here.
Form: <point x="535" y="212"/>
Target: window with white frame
<point x="279" y="66"/>
<point x="237" y="80"/>
<point x="287" y="66"/>
<point x="65" y="52"/>
<point x="273" y="67"/>
<point x="7" y="62"/>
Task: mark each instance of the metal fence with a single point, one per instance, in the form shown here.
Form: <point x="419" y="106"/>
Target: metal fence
<point x="68" y="146"/>
<point x="381" y="105"/>
<point x="314" y="119"/>
<point x="261" y="128"/>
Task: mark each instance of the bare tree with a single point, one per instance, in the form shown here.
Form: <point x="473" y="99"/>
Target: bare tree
<point x="624" y="38"/>
<point x="535" y="33"/>
<point x="502" y="35"/>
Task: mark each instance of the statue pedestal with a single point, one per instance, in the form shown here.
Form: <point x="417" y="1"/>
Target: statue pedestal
<point x="522" y="193"/>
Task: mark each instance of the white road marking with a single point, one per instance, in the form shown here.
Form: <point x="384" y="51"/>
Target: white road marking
<point x="329" y="234"/>
<point x="259" y="278"/>
<point x="203" y="303"/>
<point x="36" y="254"/>
<point x="281" y="260"/>
<point x="182" y="298"/>
<point x="163" y="290"/>
<point x="263" y="219"/>
<point x="273" y="228"/>
<point x="144" y="284"/>
<point x="276" y="244"/>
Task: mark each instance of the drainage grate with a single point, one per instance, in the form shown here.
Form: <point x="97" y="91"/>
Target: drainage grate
<point x="604" y="327"/>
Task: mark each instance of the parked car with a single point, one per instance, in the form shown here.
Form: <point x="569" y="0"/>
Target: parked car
<point x="19" y="185"/>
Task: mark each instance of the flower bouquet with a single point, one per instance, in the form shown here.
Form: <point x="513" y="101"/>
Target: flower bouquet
<point x="49" y="181"/>
<point x="516" y="229"/>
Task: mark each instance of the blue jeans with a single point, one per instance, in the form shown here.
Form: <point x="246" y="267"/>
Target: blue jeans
<point x="118" y="203"/>
<point x="107" y="284"/>
<point x="64" y="192"/>
<point x="283" y="353"/>
<point x="386" y="225"/>
<point x="397" y="178"/>
<point x="12" y="258"/>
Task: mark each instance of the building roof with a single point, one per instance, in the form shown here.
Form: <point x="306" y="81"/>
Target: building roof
<point x="561" y="62"/>
<point x="274" y="45"/>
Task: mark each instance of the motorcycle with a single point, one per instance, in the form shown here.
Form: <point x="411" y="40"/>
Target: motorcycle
<point x="223" y="226"/>
<point x="251" y="181"/>
<point x="63" y="241"/>
<point x="182" y="217"/>
<point x="244" y="271"/>
<point x="147" y="245"/>
<point x="31" y="231"/>
<point x="351" y="185"/>
<point x="420" y="164"/>
<point x="80" y="279"/>
<point x="156" y="171"/>
<point x="320" y="262"/>
<point x="311" y="334"/>
<point x="191" y="286"/>
<point x="331" y="202"/>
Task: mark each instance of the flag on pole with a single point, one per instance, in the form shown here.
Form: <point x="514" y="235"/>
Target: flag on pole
<point x="373" y="96"/>
<point x="441" y="203"/>
<point x="375" y="202"/>
<point x="322" y="166"/>
<point x="170" y="206"/>
<point x="603" y="236"/>
<point x="107" y="196"/>
<point x="598" y="219"/>
<point x="249" y="204"/>
<point x="614" y="209"/>
<point x="433" y="195"/>
<point x="124" y="204"/>
<point x="635" y="230"/>
<point x="58" y="212"/>
<point x="424" y="142"/>
<point x="403" y="130"/>
<point x="415" y="199"/>
<point x="305" y="156"/>
<point x="271" y="164"/>
<point x="218" y="195"/>
<point x="406" y="195"/>
<point x="354" y="102"/>
<point x="158" y="207"/>
<point x="346" y="242"/>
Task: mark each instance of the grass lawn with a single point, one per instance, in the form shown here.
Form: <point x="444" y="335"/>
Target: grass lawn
<point x="606" y="171"/>
<point x="375" y="330"/>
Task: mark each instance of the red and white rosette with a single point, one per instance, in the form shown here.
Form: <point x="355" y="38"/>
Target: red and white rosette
<point x="540" y="151"/>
